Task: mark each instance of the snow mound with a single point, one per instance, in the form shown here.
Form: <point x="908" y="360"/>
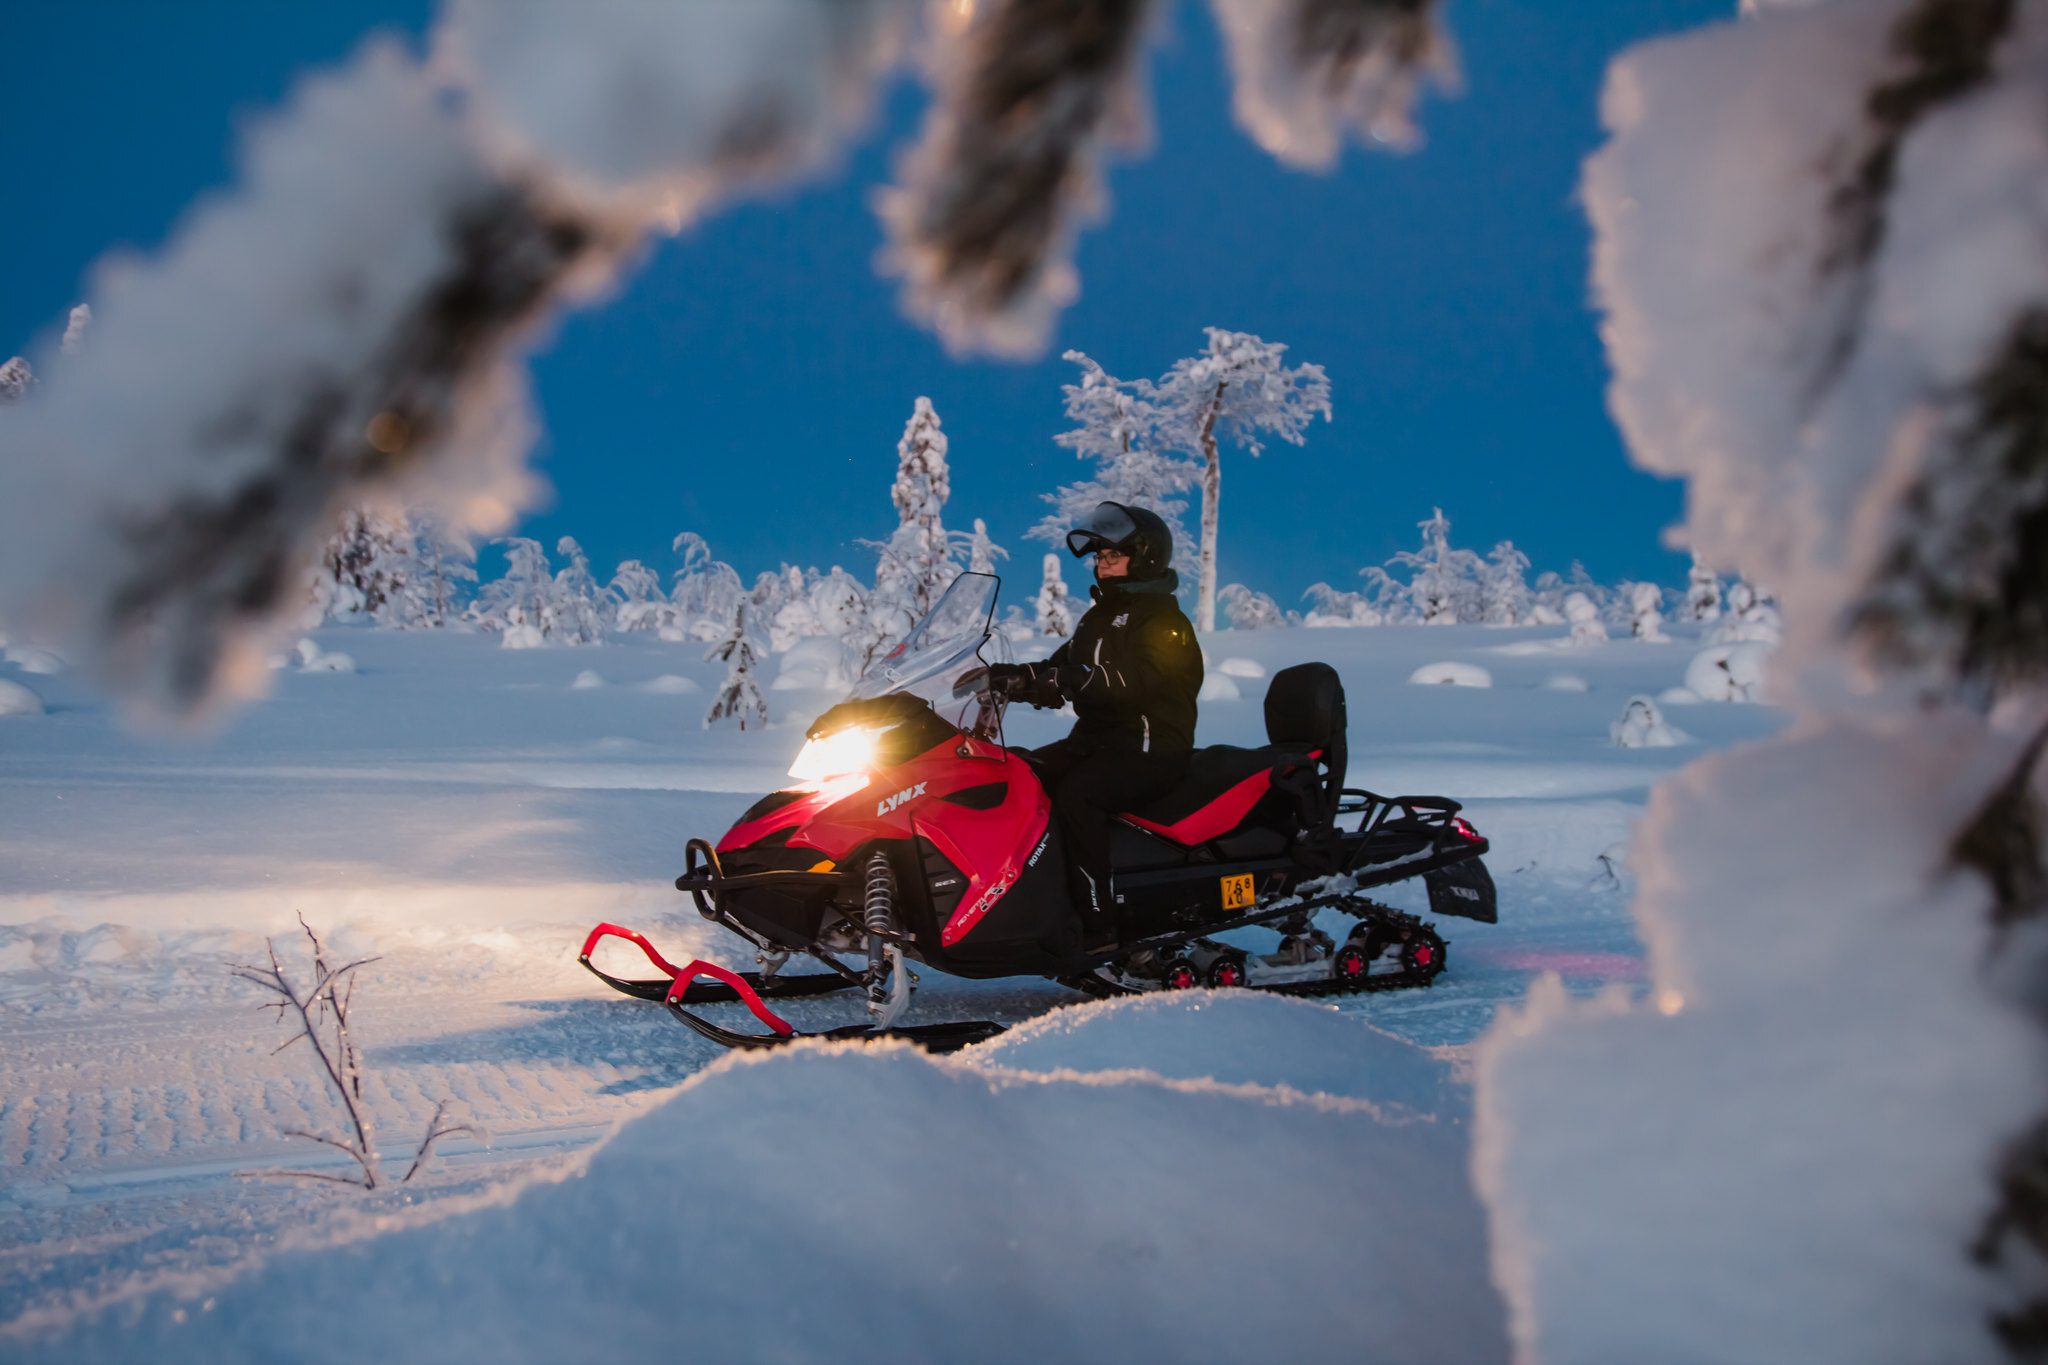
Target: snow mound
<point x="1567" y="682"/>
<point x="1219" y="687"/>
<point x="670" y="685"/>
<point x="1678" y="696"/>
<point x="1642" y="726"/>
<point x="313" y="659"/>
<point x="991" y="1215"/>
<point x="29" y="659"/>
<point x="1451" y="675"/>
<point x="588" y="678"/>
<point x="1728" y="672"/>
<point x="1235" y="667"/>
<point x="16" y="700"/>
<point x="522" y="637"/>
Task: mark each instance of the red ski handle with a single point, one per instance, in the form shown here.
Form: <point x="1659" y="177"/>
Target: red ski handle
<point x="631" y="936"/>
<point x="747" y="994"/>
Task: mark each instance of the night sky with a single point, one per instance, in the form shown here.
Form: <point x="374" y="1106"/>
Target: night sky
<point x="749" y="382"/>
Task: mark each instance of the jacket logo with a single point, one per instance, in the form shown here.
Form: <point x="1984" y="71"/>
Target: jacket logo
<point x="907" y="794"/>
<point x="1121" y="619"/>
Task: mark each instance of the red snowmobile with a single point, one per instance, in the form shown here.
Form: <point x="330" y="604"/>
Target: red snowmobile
<point x="909" y="837"/>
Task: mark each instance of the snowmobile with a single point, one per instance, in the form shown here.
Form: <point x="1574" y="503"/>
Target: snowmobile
<point x="909" y="837"/>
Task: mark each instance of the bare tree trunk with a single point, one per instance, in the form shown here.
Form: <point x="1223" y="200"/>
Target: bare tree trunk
<point x="1212" y="494"/>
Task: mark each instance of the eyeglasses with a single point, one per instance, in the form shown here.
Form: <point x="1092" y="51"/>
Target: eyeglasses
<point x="1111" y="552"/>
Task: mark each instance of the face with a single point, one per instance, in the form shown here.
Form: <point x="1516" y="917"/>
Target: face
<point x="1112" y="564"/>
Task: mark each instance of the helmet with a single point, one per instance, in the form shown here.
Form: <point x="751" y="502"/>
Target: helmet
<point x="1137" y="531"/>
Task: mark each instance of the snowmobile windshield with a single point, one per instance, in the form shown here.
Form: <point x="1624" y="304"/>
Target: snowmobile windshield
<point x="940" y="645"/>
<point x="1106" y="527"/>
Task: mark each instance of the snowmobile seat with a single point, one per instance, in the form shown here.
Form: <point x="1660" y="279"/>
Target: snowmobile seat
<point x="1288" y="784"/>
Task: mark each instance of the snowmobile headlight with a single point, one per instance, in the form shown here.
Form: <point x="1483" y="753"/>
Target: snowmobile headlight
<point x="851" y="750"/>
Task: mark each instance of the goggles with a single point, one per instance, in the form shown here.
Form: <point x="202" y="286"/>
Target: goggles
<point x="1108" y="527"/>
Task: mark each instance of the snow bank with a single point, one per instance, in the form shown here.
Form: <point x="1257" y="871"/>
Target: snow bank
<point x="1219" y="687"/>
<point x="1236" y="667"/>
<point x="786" y="1206"/>
<point x="1451" y="675"/>
<point x="589" y="678"/>
<point x="671" y="685"/>
<point x="16" y="700"/>
<point x="32" y="660"/>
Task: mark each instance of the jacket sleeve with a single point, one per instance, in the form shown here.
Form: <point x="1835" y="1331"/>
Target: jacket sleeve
<point x="1158" y="658"/>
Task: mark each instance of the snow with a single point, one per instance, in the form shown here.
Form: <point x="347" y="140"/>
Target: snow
<point x="1451" y="674"/>
<point x="671" y="685"/>
<point x="1237" y="666"/>
<point x="1728" y="672"/>
<point x="17" y="700"/>
<point x="1642" y="726"/>
<point x="313" y="659"/>
<point x="1219" y="687"/>
<point x="1566" y="682"/>
<point x="463" y="815"/>
<point x="588" y="679"/>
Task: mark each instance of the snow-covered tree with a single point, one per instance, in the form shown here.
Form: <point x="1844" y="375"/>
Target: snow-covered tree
<point x="1250" y="610"/>
<point x="739" y="696"/>
<point x="1646" y="611"/>
<point x="1444" y="583"/>
<point x="1239" y="390"/>
<point x="1819" y="258"/>
<point x="794" y="616"/>
<point x="580" y="605"/>
<point x="430" y="591"/>
<point x="1702" y="592"/>
<point x="75" y="328"/>
<point x="1584" y="618"/>
<point x="15" y="379"/>
<point x="917" y="561"/>
<point x="1116" y="422"/>
<point x="638" y="603"/>
<point x="981" y="552"/>
<point x="1055" y="609"/>
<point x="840" y="605"/>
<point x="523" y="599"/>
<point x="367" y="563"/>
<point x="707" y="590"/>
<point x="1330" y="607"/>
<point x="1504" y="596"/>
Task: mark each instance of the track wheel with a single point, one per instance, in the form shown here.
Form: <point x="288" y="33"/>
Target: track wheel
<point x="1423" y="955"/>
<point x="1351" y="965"/>
<point x="1228" y="972"/>
<point x="1179" y="974"/>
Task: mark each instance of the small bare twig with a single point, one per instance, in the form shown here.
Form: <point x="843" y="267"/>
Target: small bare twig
<point x="341" y="1061"/>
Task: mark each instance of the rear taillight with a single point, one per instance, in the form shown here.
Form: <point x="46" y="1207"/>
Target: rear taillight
<point x="1465" y="830"/>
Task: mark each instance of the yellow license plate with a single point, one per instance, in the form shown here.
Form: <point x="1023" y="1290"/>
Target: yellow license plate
<point x="1238" y="892"/>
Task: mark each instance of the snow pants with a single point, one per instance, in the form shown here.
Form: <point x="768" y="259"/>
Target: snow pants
<point x="1092" y="781"/>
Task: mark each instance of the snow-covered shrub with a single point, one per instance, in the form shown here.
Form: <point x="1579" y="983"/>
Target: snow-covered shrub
<point x="521" y="635"/>
<point x="1451" y="674"/>
<point x="638" y="603"/>
<point x="1646" y="612"/>
<point x="1642" y="726"/>
<point x="707" y="590"/>
<point x="1329" y="607"/>
<point x="980" y="551"/>
<point x="1728" y="672"/>
<point x="819" y="663"/>
<point x="1235" y="667"/>
<point x="1702" y="593"/>
<point x="16" y="700"/>
<point x="1219" y="687"/>
<point x="1504" y="596"/>
<point x="1750" y="615"/>
<point x="30" y="659"/>
<point x="524" y="598"/>
<point x="739" y="696"/>
<point x="578" y="604"/>
<point x="1056" y="614"/>
<point x="1443" y="583"/>
<point x="586" y="680"/>
<point x="313" y="659"/>
<point x="1587" y="628"/>
<point x="1249" y="610"/>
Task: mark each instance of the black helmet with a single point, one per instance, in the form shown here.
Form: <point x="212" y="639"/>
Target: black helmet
<point x="1137" y="531"/>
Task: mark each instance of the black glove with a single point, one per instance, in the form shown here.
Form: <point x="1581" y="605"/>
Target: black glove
<point x="1033" y="683"/>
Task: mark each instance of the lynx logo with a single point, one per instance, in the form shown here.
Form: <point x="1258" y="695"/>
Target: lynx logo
<point x="1465" y="891"/>
<point x="906" y="795"/>
<point x="1038" y="852"/>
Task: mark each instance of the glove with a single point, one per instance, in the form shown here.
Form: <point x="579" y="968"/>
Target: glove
<point x="1027" y="682"/>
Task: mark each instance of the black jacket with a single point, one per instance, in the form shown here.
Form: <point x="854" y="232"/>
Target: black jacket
<point x="1133" y="669"/>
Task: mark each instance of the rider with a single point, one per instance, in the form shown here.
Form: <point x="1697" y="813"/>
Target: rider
<point x="1132" y="671"/>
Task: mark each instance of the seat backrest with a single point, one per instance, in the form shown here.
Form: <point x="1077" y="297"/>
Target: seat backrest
<point x="1305" y="705"/>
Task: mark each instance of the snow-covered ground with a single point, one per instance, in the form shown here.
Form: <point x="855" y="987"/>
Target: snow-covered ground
<point x="1201" y="1175"/>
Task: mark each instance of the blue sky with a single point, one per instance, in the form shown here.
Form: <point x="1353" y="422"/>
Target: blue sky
<point x="750" y="381"/>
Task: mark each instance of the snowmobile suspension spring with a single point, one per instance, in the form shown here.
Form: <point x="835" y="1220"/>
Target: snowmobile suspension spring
<point x="878" y="908"/>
